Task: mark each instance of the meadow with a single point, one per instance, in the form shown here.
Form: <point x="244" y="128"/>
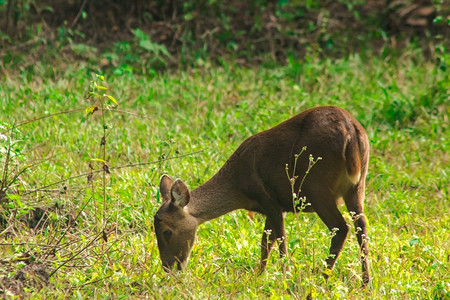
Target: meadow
<point x="80" y="175"/>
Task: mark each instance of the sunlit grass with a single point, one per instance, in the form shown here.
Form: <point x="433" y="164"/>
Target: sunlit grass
<point x="403" y="104"/>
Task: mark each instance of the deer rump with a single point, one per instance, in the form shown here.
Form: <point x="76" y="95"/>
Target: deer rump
<point x="259" y="163"/>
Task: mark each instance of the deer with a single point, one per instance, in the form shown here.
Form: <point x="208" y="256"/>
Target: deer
<point x="254" y="178"/>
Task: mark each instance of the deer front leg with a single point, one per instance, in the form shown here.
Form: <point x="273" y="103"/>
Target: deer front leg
<point x="273" y="231"/>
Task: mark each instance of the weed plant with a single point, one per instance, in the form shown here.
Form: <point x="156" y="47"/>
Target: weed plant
<point x="79" y="179"/>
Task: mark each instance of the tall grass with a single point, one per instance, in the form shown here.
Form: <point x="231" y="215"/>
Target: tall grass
<point x="201" y="115"/>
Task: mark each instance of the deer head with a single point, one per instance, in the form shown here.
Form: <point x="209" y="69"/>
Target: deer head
<point x="175" y="228"/>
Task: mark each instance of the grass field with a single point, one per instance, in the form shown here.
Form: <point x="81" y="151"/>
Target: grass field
<point x="64" y="235"/>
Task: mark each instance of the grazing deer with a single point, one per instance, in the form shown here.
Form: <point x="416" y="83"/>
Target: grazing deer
<point x="254" y="178"/>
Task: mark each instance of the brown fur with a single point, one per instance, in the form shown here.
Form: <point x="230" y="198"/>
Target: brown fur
<point x="254" y="178"/>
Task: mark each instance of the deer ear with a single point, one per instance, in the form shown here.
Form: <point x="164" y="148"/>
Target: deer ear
<point x="180" y="193"/>
<point x="165" y="185"/>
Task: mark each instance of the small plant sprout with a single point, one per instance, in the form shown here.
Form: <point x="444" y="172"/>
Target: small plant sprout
<point x="299" y="203"/>
<point x="333" y="232"/>
<point x="100" y="102"/>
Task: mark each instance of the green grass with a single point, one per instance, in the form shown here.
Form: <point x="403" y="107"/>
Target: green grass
<point x="402" y="102"/>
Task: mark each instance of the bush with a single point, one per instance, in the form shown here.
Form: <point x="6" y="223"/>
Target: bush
<point x="192" y="30"/>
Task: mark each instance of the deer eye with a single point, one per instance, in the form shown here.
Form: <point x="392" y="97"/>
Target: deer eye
<point x="167" y="235"/>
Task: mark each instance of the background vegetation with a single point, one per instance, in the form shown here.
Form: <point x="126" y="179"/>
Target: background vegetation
<point x="160" y="33"/>
<point x="81" y="154"/>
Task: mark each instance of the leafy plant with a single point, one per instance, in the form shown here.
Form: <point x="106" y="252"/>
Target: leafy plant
<point x="159" y="54"/>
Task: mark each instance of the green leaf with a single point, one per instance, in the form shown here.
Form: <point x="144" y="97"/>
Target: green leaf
<point x="140" y="34"/>
<point x="94" y="94"/>
<point x="101" y="87"/>
<point x="147" y="45"/>
<point x="26" y="167"/>
<point x="111" y="98"/>
<point x="328" y="272"/>
<point x="414" y="241"/>
<point x="54" y="216"/>
<point x="16" y="199"/>
<point x="90" y="110"/>
<point x="98" y="159"/>
<point x="437" y="20"/>
<point x="188" y="16"/>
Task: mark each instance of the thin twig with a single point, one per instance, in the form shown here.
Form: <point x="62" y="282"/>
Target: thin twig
<point x="18" y="174"/>
<point x="90" y="282"/>
<point x="66" y="112"/>
<point x="24" y="122"/>
<point x="112" y="168"/>
<point x="130" y="113"/>
<point x="75" y="21"/>
<point x="29" y="244"/>
<point x="5" y="166"/>
<point x="69" y="227"/>
<point x="103" y="147"/>
<point x="99" y="236"/>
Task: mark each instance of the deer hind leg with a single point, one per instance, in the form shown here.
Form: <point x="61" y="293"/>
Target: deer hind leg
<point x="325" y="207"/>
<point x="354" y="202"/>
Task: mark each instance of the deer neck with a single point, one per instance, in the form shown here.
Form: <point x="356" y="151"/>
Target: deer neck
<point x="214" y="198"/>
